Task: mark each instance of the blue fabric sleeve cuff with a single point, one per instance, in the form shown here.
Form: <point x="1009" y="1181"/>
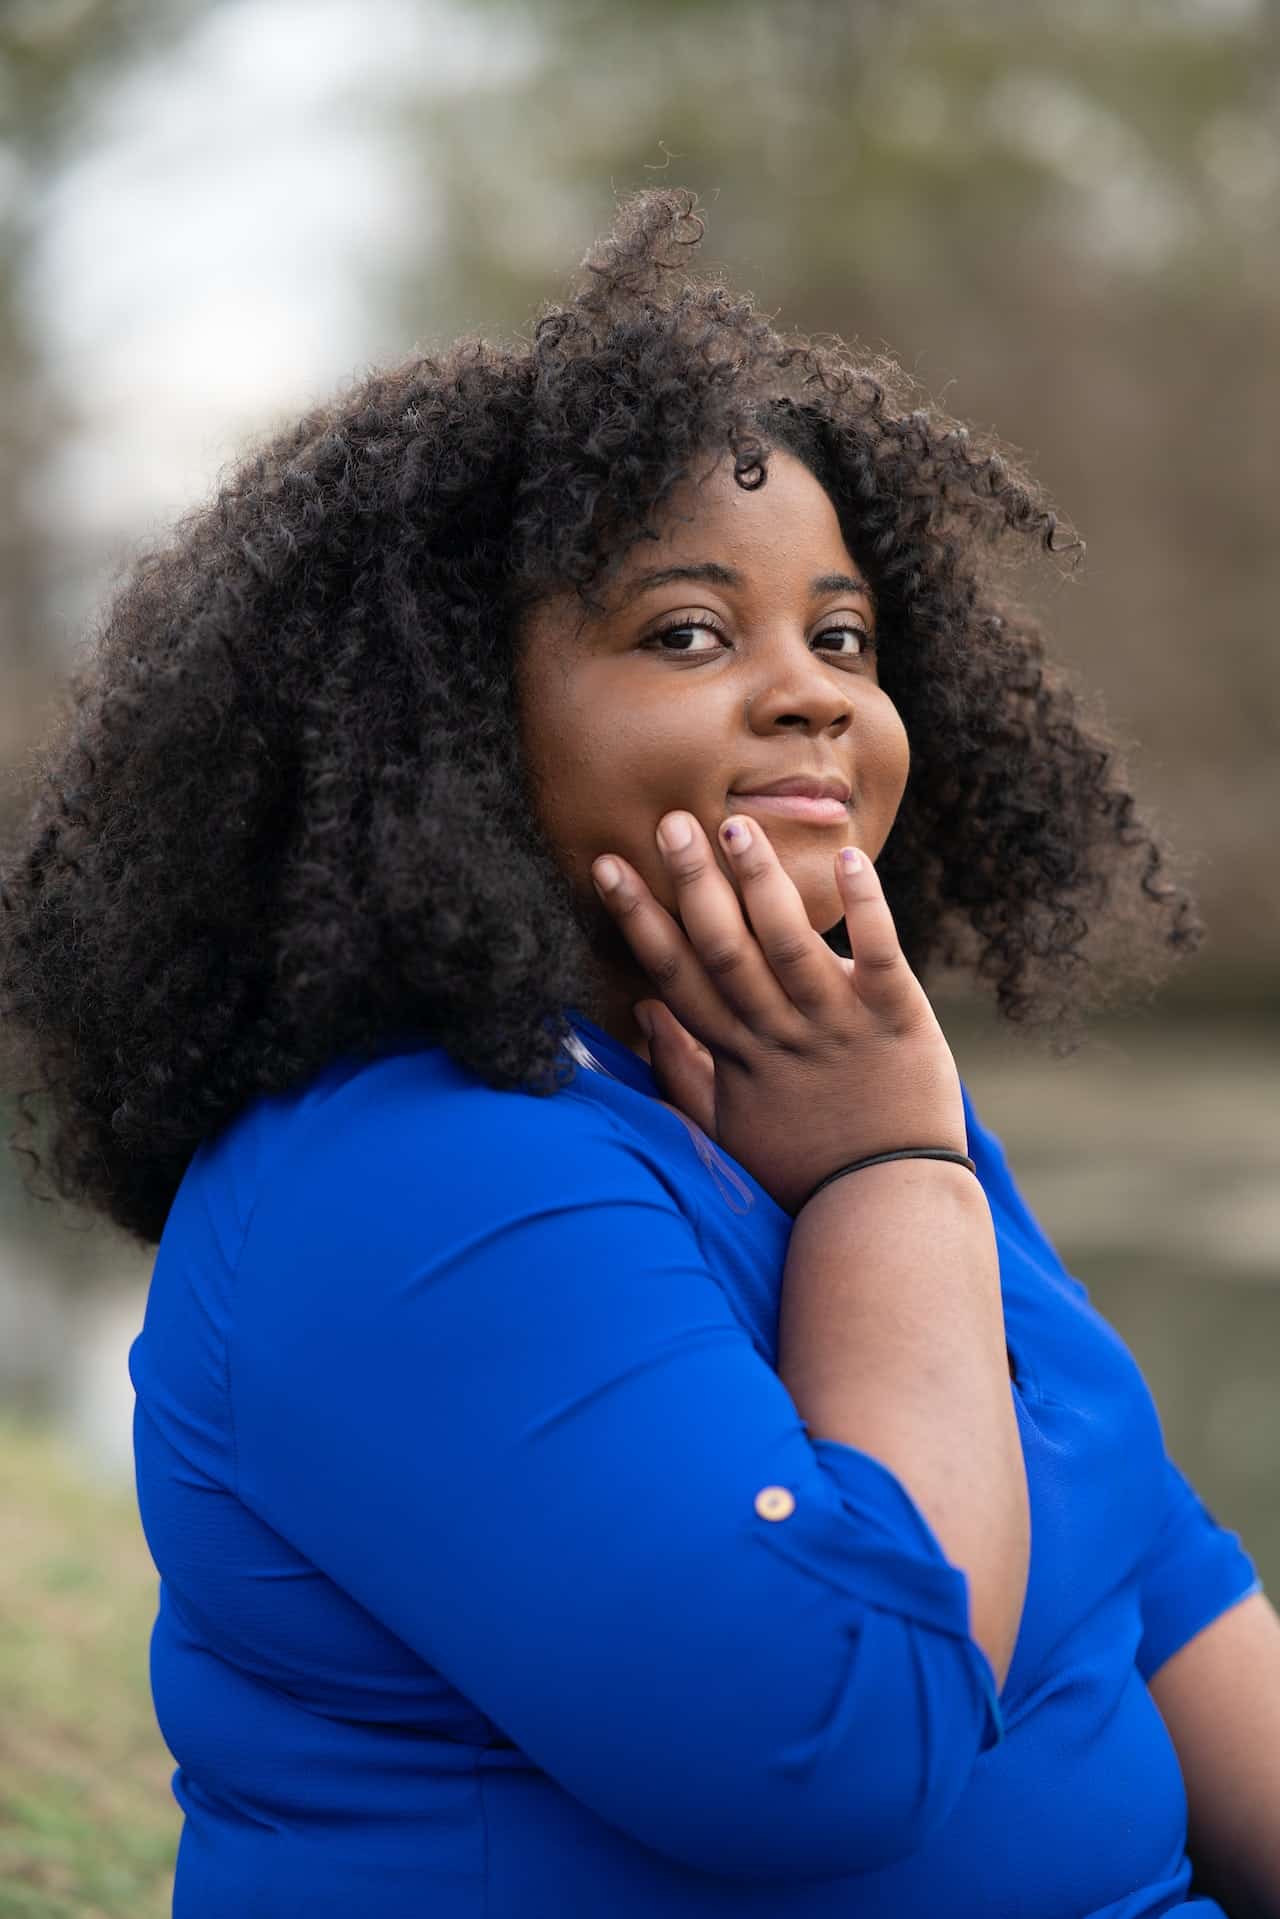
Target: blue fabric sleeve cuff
<point x="1178" y="1617"/>
<point x="889" y="1558"/>
<point x="1195" y="1571"/>
<point x="1173" y="1631"/>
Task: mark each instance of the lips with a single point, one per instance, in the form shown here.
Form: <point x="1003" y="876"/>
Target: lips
<point x="826" y="786"/>
<point x="824" y="809"/>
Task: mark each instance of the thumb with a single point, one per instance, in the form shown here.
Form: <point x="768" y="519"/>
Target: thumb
<point x="684" y="1070"/>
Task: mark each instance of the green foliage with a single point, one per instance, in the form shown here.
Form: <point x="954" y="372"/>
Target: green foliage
<point x="88" y="1825"/>
<point x="53" y="51"/>
<point x="920" y="143"/>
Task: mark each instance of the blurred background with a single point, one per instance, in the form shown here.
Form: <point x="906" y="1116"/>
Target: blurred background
<point x="1063" y="221"/>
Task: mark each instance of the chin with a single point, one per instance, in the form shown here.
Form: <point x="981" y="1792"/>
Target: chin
<point x="824" y="910"/>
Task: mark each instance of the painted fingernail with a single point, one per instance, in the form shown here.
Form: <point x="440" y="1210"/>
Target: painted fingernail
<point x="850" y="859"/>
<point x="737" y="834"/>
<point x="606" y="874"/>
<point x="675" y="832"/>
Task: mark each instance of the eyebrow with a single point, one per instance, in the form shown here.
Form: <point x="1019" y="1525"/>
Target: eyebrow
<point x="714" y="574"/>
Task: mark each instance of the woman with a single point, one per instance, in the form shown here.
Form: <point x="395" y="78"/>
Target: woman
<point x="612" y="1437"/>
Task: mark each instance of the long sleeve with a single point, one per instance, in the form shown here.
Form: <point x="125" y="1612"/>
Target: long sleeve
<point x="482" y="1377"/>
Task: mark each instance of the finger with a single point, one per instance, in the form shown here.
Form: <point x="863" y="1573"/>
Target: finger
<point x="727" y="943"/>
<point x="881" y="977"/>
<point x="684" y="1070"/>
<point x="663" y="950"/>
<point x="805" y="967"/>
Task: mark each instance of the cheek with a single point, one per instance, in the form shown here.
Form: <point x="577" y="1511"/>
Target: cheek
<point x="884" y="760"/>
<point x="587" y="804"/>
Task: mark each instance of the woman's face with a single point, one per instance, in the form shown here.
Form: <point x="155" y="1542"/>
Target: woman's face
<point x="755" y="666"/>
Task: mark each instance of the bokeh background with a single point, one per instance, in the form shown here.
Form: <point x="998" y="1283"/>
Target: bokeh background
<point x="1065" y="221"/>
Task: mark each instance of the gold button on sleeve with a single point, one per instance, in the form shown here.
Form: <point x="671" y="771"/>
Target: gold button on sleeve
<point x="774" y="1502"/>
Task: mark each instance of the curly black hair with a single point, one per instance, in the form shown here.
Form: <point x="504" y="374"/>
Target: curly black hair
<point x="285" y="817"/>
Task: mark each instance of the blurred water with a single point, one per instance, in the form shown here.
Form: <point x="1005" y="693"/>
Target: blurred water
<point x="1152" y="1160"/>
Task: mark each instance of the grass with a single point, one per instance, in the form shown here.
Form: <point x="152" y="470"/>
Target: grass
<point x="88" y="1824"/>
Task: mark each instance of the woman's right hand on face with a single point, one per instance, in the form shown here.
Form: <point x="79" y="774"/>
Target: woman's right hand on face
<point x="811" y="1060"/>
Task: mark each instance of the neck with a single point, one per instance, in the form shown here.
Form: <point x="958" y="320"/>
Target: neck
<point x="623" y="984"/>
<point x="618" y="1018"/>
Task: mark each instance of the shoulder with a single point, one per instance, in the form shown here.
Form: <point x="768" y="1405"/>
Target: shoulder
<point x="410" y="1137"/>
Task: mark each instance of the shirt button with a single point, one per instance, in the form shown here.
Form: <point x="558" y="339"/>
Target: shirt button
<point x="774" y="1502"/>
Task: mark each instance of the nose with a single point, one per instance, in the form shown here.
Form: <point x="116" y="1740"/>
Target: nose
<point x="804" y="693"/>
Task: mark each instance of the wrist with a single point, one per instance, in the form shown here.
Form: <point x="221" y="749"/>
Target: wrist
<point x="897" y="1156"/>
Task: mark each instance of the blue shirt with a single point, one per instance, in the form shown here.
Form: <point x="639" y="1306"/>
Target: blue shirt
<point x="501" y="1578"/>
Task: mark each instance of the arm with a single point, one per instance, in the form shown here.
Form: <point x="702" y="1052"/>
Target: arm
<point x="891" y="1339"/>
<point x="1219" y="1695"/>
<point x="484" y="1380"/>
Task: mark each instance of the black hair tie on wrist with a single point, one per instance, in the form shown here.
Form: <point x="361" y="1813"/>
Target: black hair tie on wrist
<point x="906" y="1152"/>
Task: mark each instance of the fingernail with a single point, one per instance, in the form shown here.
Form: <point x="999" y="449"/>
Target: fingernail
<point x="737" y="834"/>
<point x="606" y="874"/>
<point x="675" y="832"/>
<point x="644" y="1020"/>
<point x="850" y="859"/>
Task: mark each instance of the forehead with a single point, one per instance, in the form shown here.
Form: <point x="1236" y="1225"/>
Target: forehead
<point x="735" y="537"/>
<point x="711" y="498"/>
<point x="784" y="534"/>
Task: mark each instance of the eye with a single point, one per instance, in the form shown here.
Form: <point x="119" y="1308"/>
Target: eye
<point x="866" y="641"/>
<point x="679" y="628"/>
<point x="655" y="640"/>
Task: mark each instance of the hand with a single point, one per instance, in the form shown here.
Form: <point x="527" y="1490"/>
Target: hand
<point x="793" y="1059"/>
